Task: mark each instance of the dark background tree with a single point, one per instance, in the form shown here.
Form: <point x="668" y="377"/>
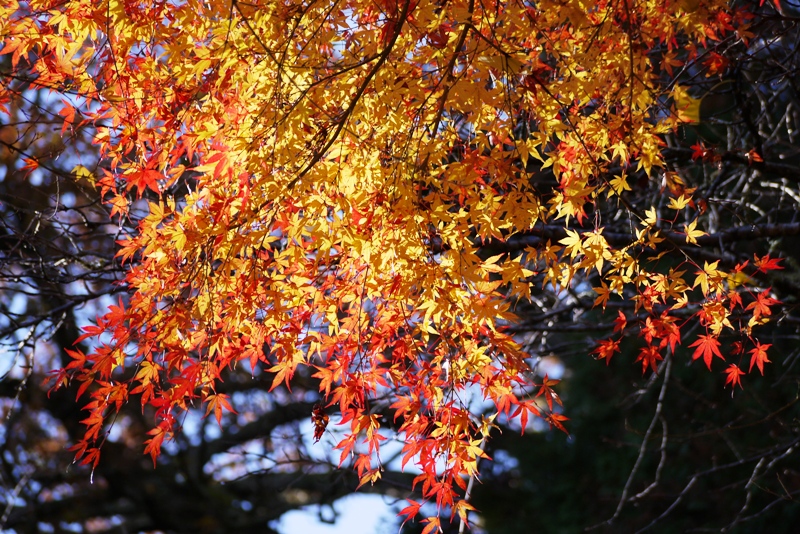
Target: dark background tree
<point x="674" y="452"/>
<point x="57" y="271"/>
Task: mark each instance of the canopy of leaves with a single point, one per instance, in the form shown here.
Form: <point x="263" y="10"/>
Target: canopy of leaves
<point x="367" y="196"/>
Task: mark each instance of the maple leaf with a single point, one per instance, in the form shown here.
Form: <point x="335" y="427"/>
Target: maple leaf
<point x="119" y="205"/>
<point x="153" y="445"/>
<point x="708" y="279"/>
<point x="90" y="455"/>
<point x="715" y="63"/>
<point x="649" y="356"/>
<point x="759" y="356"/>
<point x="556" y="420"/>
<point x="68" y="113"/>
<point x="678" y="203"/>
<point x="461" y="508"/>
<point x="523" y="410"/>
<point x="699" y="151"/>
<point x="765" y="263"/>
<point x="761" y="306"/>
<point x="320" y="421"/>
<point x="651" y="218"/>
<point x="90" y="331"/>
<point x="603" y="295"/>
<point x="546" y="390"/>
<point x="620" y="322"/>
<point x="144" y="179"/>
<point x="78" y="359"/>
<point x="734" y="376"/>
<point x="619" y="184"/>
<point x="606" y="349"/>
<point x="707" y="348"/>
<point x="31" y="164"/>
<point x="753" y="156"/>
<point x="433" y="525"/>
<point x="216" y="403"/>
<point x="692" y="234"/>
<point x="410" y="511"/>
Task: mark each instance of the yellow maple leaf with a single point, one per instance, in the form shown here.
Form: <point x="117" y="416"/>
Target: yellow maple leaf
<point x="692" y="234"/>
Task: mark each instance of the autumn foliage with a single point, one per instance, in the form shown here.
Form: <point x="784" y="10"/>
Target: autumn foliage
<point x="317" y="184"/>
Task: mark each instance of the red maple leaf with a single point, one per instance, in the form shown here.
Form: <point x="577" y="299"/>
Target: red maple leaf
<point x="68" y="112"/>
<point x="410" y="511"/>
<point x="620" y="322"/>
<point x="734" y="377"/>
<point x="759" y="356"/>
<point x="716" y="63"/>
<point x="754" y="156"/>
<point x="606" y="349"/>
<point x="765" y="263"/>
<point x="735" y="300"/>
<point x="143" y="179"/>
<point x="698" y="151"/>
<point x="707" y="347"/>
<point x="320" y="420"/>
<point x="153" y="445"/>
<point x="555" y="419"/>
<point x="649" y="356"/>
<point x="548" y="392"/>
<point x="216" y="403"/>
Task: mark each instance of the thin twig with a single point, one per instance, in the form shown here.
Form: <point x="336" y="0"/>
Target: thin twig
<point x="662" y="461"/>
<point x="672" y="506"/>
<point x="467" y="494"/>
<point x="643" y="448"/>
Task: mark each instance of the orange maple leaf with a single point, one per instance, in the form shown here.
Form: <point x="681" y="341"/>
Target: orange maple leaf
<point x="761" y="305"/>
<point x="759" y="357"/>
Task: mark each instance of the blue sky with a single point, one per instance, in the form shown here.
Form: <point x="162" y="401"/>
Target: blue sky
<point x="357" y="514"/>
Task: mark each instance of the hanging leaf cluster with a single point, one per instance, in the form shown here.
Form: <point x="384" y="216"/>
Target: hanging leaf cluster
<point x="316" y="183"/>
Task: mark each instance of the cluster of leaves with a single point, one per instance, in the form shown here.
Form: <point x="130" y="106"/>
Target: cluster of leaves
<point x="322" y="180"/>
